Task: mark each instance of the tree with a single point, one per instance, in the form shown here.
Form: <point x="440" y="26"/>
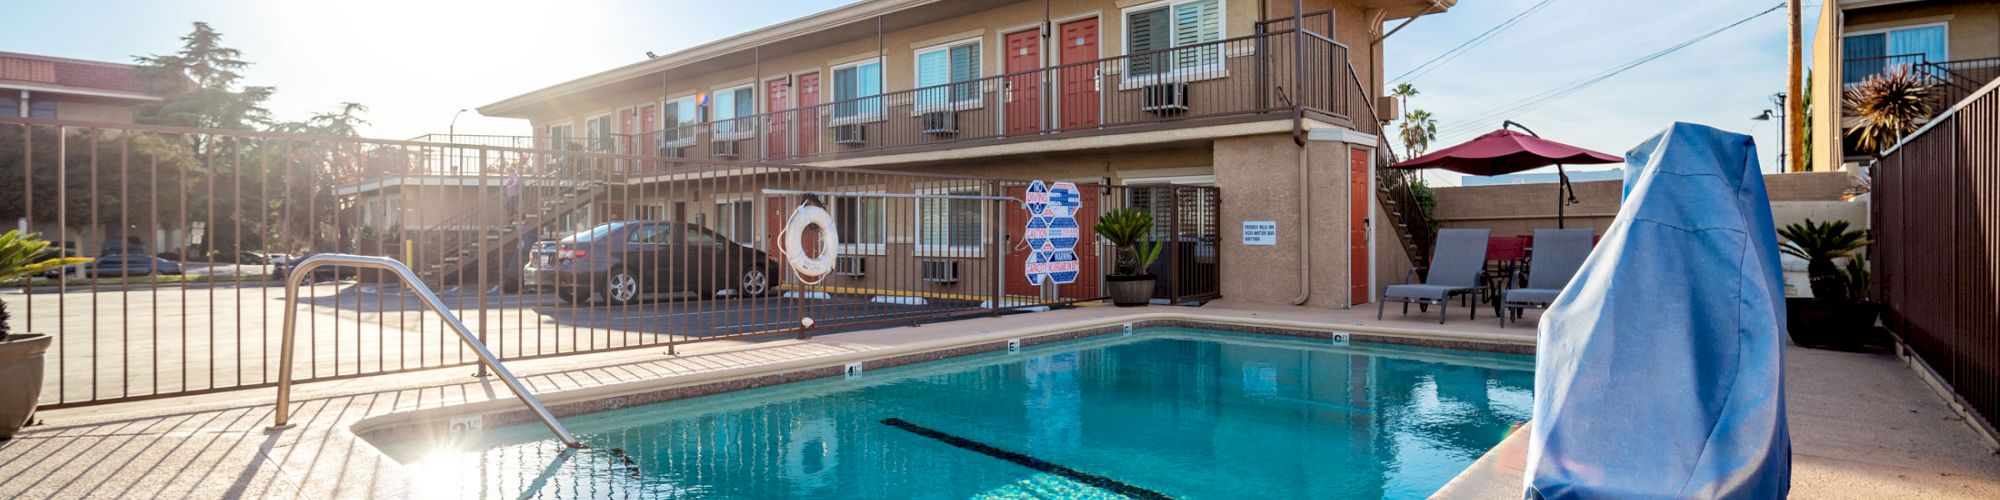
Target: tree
<point x="1403" y="92"/>
<point x="1888" y="107"/>
<point x="1417" y="131"/>
<point x="202" y="83"/>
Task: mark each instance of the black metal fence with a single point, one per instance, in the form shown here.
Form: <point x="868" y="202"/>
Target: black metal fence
<point x="543" y="252"/>
<point x="1936" y="260"/>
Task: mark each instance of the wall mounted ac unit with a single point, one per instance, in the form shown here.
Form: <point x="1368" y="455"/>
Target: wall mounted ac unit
<point x="1164" y="98"/>
<point x="941" y="271"/>
<point x="852" y="133"/>
<point x="673" y="151"/>
<point x="940" y="122"/>
<point x="851" y="265"/>
<point x="722" y="149"/>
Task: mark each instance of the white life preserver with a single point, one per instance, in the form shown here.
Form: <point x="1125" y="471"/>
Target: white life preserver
<point x="811" y="269"/>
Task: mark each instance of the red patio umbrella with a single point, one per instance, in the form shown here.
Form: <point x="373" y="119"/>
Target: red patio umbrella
<point x="1503" y="151"/>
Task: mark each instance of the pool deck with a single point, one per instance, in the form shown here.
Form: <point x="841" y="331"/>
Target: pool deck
<point x="1863" y="425"/>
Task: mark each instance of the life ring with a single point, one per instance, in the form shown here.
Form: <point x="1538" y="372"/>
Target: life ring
<point x="812" y="453"/>
<point x="811" y="269"/>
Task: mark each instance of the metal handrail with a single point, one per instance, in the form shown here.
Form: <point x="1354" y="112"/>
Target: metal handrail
<point x="305" y="268"/>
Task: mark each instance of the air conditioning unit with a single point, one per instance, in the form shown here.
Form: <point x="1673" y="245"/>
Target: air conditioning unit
<point x="852" y="133"/>
<point x="851" y="265"/>
<point x="940" y="122"/>
<point x="673" y="151"/>
<point x="941" y="271"/>
<point x="1164" y="98"/>
<point x="722" y="149"/>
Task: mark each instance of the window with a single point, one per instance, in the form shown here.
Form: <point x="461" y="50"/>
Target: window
<point x="10" y="107"/>
<point x="701" y="237"/>
<point x="950" y="223"/>
<point x="678" y="120"/>
<point x="559" y="137"/>
<point x="1866" y="54"/>
<point x="730" y="106"/>
<point x="597" y="132"/>
<point x="650" y="233"/>
<point x="950" y="63"/>
<point x="862" y="222"/>
<point x="41" y="108"/>
<point x="1169" y="25"/>
<point x="736" y="220"/>
<point x="854" y="81"/>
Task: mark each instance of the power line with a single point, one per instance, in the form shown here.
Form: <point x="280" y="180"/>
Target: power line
<point x="1448" y="55"/>
<point x="1538" y="100"/>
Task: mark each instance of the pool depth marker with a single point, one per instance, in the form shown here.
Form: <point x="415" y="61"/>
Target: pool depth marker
<point x="1101" y="482"/>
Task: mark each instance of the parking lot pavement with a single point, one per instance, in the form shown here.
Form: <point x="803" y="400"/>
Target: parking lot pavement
<point x="131" y="341"/>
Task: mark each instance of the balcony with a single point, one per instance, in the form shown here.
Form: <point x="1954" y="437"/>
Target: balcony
<point x="1260" y="77"/>
<point x="1953" y="81"/>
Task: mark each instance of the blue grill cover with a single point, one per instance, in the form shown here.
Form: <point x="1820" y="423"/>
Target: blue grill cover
<point x="1659" y="371"/>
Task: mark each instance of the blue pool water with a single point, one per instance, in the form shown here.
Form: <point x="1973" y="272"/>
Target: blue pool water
<point x="1167" y="411"/>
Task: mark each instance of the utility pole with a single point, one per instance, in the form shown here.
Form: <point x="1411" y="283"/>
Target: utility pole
<point x="1795" y="109"/>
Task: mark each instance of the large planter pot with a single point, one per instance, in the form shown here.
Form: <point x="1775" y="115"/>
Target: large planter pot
<point x="1847" y="326"/>
<point x="1130" y="291"/>
<point x="21" y="367"/>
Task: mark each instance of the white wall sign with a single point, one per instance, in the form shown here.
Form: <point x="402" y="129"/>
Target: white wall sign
<point x="1260" y="233"/>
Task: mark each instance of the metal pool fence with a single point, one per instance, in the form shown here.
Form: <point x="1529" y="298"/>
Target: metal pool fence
<point x="192" y="226"/>
<point x="1936" y="257"/>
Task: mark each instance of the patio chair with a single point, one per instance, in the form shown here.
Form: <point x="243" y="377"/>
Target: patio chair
<point x="1558" y="253"/>
<point x="1457" y="264"/>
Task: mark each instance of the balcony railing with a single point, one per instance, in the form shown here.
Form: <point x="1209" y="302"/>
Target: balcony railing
<point x="1262" y="76"/>
<point x="1952" y="81"/>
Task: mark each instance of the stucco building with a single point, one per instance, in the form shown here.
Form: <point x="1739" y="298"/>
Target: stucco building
<point x="1953" y="43"/>
<point x="37" y="86"/>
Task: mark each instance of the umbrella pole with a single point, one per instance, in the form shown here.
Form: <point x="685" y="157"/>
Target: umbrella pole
<point x="1563" y="194"/>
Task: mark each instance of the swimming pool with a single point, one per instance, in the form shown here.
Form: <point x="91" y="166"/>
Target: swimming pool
<point x="1163" y="412"/>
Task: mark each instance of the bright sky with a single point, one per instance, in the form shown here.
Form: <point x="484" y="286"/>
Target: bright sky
<point x="415" y="63"/>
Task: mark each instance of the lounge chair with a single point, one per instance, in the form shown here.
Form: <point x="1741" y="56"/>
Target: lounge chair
<point x="1457" y="262"/>
<point x="1558" y="254"/>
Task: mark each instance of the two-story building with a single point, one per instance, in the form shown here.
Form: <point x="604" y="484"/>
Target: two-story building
<point x="36" y="86"/>
<point x="1285" y="122"/>
<point x="1955" y="44"/>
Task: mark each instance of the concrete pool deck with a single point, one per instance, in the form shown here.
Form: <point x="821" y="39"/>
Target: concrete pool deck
<point x="1863" y="425"/>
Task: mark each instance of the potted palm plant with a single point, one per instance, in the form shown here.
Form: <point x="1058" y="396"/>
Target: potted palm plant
<point x="1129" y="229"/>
<point x="21" y="353"/>
<point x="1839" y="314"/>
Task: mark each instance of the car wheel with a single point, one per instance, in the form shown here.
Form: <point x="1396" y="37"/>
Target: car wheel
<point x="621" y="288"/>
<point x="756" y="282"/>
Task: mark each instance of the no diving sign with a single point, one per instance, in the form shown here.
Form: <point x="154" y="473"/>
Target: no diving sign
<point x="1052" y="233"/>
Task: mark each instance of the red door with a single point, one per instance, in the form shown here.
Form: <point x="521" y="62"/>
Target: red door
<point x="1079" y="81"/>
<point x="808" y="115"/>
<point x="778" y="97"/>
<point x="1358" y="197"/>
<point x="649" y="127"/>
<point x="1024" y="92"/>
<point x="628" y="123"/>
<point x="1088" y="274"/>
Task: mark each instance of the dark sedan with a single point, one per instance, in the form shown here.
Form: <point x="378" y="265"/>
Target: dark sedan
<point x="625" y="261"/>
<point x="131" y="264"/>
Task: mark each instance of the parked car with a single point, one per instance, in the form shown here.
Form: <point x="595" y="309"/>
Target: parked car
<point x="324" y="274"/>
<point x="624" y="261"/>
<point x="131" y="264"/>
<point x="277" y="258"/>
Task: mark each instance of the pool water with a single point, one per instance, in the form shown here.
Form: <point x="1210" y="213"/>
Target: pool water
<point x="1165" y="412"/>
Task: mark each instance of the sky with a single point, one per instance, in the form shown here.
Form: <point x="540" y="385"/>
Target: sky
<point x="415" y="63"/>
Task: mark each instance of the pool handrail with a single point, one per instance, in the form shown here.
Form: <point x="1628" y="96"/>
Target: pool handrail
<point x="304" y="268"/>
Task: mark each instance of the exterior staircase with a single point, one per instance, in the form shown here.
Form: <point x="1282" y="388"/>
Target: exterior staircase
<point x="463" y="251"/>
<point x="1400" y="208"/>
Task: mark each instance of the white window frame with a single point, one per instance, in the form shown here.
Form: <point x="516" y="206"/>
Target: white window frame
<point x="603" y="143"/>
<point x="979" y="88"/>
<point x="828" y="83"/>
<point x="877" y="248"/>
<point x="693" y="122"/>
<point x="715" y="113"/>
<point x="1885" y="40"/>
<point x="1218" y="69"/>
<point x="947" y="250"/>
<point x="569" y="127"/>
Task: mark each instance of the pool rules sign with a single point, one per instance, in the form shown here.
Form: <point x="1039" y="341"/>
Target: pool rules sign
<point x="1052" y="232"/>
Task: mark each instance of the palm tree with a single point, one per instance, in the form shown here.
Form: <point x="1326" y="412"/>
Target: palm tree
<point x="1888" y="106"/>
<point x="1417" y="131"/>
<point x="1403" y="92"/>
<point x="1819" y="244"/>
